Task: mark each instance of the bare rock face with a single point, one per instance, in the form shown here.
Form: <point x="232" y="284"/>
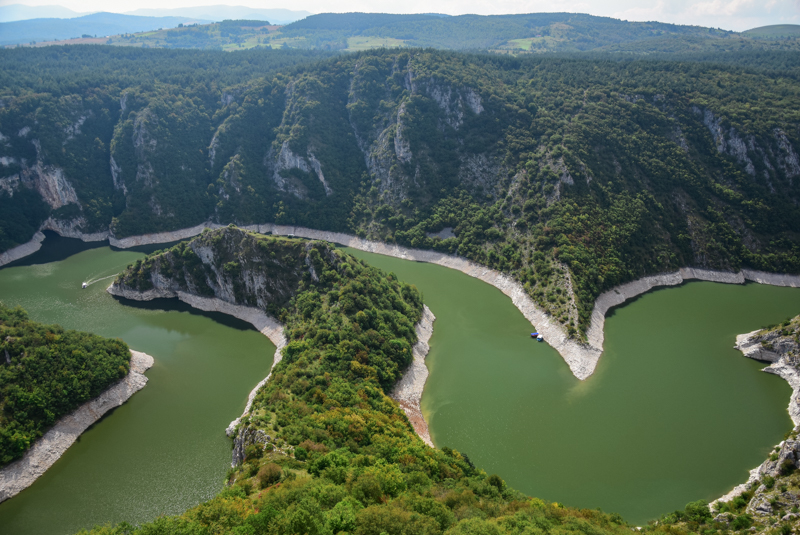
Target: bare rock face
<point x="247" y="437"/>
<point x="288" y="160"/>
<point x="787" y="159"/>
<point x="729" y="141"/>
<point x="771" y="153"/>
<point x="48" y="180"/>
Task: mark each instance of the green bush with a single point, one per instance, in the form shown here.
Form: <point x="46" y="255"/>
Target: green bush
<point x="269" y="474"/>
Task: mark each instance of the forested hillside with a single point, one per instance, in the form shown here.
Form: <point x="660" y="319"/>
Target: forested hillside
<point x="572" y="175"/>
<point x="46" y="372"/>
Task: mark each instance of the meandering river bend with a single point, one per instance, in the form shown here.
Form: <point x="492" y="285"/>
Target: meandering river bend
<point x="673" y="413"/>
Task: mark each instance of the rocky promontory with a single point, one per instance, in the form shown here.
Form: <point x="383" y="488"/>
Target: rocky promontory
<point x="232" y="272"/>
<point x="20" y="474"/>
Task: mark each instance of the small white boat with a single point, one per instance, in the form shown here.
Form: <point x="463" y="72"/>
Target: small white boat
<point x="84" y="285"/>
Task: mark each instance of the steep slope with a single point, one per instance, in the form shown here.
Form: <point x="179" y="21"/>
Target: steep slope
<point x="573" y="176"/>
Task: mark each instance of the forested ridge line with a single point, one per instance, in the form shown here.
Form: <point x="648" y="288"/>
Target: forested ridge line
<point x="572" y="175"/>
<point x="517" y="34"/>
<point x="46" y="372"/>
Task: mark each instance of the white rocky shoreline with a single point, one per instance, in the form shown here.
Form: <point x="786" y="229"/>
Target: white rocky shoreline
<point x="751" y="347"/>
<point x="21" y="474"/>
<point x="581" y="358"/>
<point x="407" y="392"/>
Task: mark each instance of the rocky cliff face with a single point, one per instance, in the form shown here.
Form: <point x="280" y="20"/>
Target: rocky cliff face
<point x="234" y="266"/>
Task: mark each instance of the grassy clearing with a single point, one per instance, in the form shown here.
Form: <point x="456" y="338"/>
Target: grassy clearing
<point x="366" y="43"/>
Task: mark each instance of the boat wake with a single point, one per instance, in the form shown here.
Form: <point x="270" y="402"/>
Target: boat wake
<point x="92" y="281"/>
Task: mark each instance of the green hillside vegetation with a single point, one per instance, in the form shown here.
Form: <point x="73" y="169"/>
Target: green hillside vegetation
<point x="226" y="35"/>
<point x="47" y="372"/>
<point x="514" y="34"/>
<point x="776" y="31"/>
<point x="325" y="450"/>
<point x="572" y="175"/>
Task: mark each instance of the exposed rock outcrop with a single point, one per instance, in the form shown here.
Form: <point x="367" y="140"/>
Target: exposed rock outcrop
<point x="48" y="180"/>
<point x="288" y="160"/>
<point x="780" y="347"/>
<point x="20" y="474"/>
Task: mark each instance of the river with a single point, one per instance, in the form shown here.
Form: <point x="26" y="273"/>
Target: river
<point x="164" y="450"/>
<point x="673" y="414"/>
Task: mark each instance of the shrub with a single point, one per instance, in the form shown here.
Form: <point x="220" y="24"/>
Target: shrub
<point x="269" y="474"/>
<point x="742" y="522"/>
<point x="698" y="511"/>
<point x="787" y="467"/>
<point x="768" y="481"/>
<point x="253" y="451"/>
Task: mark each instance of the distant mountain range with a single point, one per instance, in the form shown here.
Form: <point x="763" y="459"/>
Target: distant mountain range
<point x="96" y="24"/>
<point x="16" y="12"/>
<point x="221" y="12"/>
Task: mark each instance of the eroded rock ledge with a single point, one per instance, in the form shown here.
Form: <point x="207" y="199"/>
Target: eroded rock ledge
<point x="408" y="390"/>
<point x="21" y="474"/>
<point x="581" y="358"/>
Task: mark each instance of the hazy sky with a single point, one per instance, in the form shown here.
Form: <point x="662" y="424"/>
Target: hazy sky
<point x="727" y="14"/>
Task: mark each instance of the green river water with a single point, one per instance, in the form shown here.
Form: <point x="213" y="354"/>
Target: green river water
<point x="164" y="450"/>
<point x="673" y="414"/>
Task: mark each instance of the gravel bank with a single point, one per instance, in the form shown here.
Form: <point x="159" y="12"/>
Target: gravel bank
<point x="408" y="391"/>
<point x="20" y="474"/>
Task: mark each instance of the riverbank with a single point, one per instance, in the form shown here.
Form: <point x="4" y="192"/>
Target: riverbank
<point x="264" y="323"/>
<point x="582" y="358"/>
<point x="781" y="364"/>
<point x="21" y="474"/>
<point x="408" y="390"/>
<point x="624" y="292"/>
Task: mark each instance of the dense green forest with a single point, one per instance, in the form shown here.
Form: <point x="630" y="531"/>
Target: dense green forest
<point x="47" y="372"/>
<point x="325" y="450"/>
<point x="572" y="174"/>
